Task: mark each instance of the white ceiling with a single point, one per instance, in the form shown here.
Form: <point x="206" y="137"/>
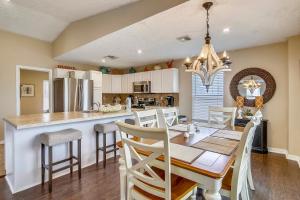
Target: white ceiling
<point x="46" y="19"/>
<point x="252" y="23"/>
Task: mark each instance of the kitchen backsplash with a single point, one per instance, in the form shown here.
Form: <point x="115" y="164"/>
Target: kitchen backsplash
<point x="160" y="98"/>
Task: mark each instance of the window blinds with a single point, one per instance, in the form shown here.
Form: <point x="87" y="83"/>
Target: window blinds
<point x="202" y="99"/>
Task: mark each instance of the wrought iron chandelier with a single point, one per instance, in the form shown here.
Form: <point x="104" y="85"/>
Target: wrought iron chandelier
<point x="208" y="64"/>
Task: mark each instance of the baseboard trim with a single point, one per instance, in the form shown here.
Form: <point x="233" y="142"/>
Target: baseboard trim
<point x="286" y="153"/>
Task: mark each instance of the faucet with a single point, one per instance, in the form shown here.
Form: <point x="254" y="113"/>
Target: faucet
<point x="98" y="105"/>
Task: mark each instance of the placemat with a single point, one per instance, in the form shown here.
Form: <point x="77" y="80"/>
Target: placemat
<point x="183" y="153"/>
<point x="204" y="124"/>
<point x="221" y="141"/>
<point x="233" y="135"/>
<point x="179" y="127"/>
<point x="226" y="150"/>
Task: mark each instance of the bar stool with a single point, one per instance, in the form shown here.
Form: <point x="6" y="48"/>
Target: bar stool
<point x="51" y="139"/>
<point x="106" y="129"/>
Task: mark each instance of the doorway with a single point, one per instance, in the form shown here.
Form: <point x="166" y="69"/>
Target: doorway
<point x="33" y="90"/>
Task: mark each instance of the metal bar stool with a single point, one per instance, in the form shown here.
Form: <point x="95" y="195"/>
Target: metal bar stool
<point x="106" y="129"/>
<point x="51" y="139"/>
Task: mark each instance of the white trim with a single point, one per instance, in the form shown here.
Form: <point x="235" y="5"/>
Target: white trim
<point x="286" y="153"/>
<point x="1" y="142"/>
<point x="18" y="69"/>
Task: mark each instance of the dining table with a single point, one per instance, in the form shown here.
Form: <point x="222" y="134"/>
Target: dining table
<point x="207" y="170"/>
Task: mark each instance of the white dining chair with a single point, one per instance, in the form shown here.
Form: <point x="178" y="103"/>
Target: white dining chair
<point x="147" y="118"/>
<point x="168" y="117"/>
<point x="222" y="115"/>
<point x="235" y="182"/>
<point x="143" y="180"/>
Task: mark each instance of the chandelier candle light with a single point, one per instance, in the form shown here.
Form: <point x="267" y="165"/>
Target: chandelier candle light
<point x="208" y="64"/>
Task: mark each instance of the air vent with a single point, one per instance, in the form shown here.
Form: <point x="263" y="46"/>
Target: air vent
<point x="110" y="57"/>
<point x="184" y="38"/>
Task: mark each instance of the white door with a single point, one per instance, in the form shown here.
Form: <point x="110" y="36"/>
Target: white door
<point x="156" y="86"/>
<point x="106" y="83"/>
<point x="116" y="82"/>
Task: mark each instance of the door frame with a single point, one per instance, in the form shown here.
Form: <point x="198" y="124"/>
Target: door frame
<point x="18" y="85"/>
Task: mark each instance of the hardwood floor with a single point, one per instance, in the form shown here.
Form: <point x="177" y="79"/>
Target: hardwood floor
<point x="275" y="178"/>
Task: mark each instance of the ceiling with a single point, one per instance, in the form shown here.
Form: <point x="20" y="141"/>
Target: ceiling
<point x="46" y="19"/>
<point x="251" y="23"/>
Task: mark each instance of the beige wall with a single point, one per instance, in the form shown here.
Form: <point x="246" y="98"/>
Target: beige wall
<point x="20" y="50"/>
<point x="294" y="94"/>
<point x="33" y="105"/>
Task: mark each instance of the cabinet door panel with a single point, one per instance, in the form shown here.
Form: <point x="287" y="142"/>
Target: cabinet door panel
<point x="124" y="83"/>
<point x="106" y="83"/>
<point x="116" y="82"/>
<point x="130" y="80"/>
<point x="156" y="78"/>
<point x="170" y="80"/>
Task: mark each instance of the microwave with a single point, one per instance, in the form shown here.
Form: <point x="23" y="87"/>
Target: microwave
<point x="142" y="87"/>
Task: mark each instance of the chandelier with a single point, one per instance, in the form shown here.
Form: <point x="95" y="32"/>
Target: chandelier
<point x="251" y="85"/>
<point x="208" y="64"/>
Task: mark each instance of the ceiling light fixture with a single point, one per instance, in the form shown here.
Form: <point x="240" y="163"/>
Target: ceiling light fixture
<point x="226" y="30"/>
<point x="103" y="60"/>
<point x="208" y="64"/>
<point x="139" y="51"/>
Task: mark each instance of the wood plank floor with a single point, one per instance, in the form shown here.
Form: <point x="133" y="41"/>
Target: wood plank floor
<point x="275" y="178"/>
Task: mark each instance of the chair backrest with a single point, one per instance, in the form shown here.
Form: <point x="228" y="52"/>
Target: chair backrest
<point x="239" y="178"/>
<point x="222" y="115"/>
<point x="139" y="171"/>
<point x="168" y="117"/>
<point x="147" y="118"/>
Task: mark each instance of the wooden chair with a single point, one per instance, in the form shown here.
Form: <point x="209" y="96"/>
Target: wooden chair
<point x="144" y="181"/>
<point x="222" y="115"/>
<point x="168" y="117"/>
<point x="147" y="118"/>
<point x="235" y="181"/>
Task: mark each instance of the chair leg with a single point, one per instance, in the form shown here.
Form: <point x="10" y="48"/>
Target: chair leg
<point x="43" y="163"/>
<point x="115" y="145"/>
<point x="71" y="157"/>
<point x="104" y="150"/>
<point x="97" y="148"/>
<point x="79" y="158"/>
<point x="50" y="168"/>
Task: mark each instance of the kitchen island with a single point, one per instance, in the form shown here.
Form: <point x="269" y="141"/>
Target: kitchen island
<point x="23" y="148"/>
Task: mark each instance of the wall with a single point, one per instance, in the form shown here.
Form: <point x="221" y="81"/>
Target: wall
<point x="33" y="105"/>
<point x="294" y="95"/>
<point x="20" y="50"/>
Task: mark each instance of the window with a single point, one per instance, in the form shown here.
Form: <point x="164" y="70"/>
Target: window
<point x="46" y="96"/>
<point x="202" y="99"/>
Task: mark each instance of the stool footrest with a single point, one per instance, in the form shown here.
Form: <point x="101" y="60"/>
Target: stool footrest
<point x="65" y="167"/>
<point x="61" y="161"/>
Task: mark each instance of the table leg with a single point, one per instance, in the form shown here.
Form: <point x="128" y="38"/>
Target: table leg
<point x="212" y="192"/>
<point x="122" y="170"/>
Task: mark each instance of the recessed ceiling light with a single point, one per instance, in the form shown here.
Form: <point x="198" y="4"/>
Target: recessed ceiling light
<point x="139" y="51"/>
<point x="226" y="30"/>
<point x="103" y="60"/>
<point x="184" y="38"/>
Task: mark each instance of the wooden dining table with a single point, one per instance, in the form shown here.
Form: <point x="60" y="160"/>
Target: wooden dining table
<point x="207" y="170"/>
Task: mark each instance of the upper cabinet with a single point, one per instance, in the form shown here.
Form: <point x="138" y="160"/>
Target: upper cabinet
<point x="170" y="80"/>
<point x="64" y="73"/>
<point x="106" y="83"/>
<point x="142" y="76"/>
<point x="96" y="76"/>
<point x="130" y="80"/>
<point x="116" y="83"/>
<point x="156" y="85"/>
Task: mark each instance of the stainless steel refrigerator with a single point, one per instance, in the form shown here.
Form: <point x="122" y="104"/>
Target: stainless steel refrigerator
<point x="72" y="94"/>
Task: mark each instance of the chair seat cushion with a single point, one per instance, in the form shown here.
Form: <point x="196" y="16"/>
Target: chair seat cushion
<point x="179" y="186"/>
<point x="59" y="137"/>
<point x="106" y="128"/>
<point x="226" y="183"/>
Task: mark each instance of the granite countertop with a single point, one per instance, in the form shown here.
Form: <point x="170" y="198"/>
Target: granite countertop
<point x="46" y="119"/>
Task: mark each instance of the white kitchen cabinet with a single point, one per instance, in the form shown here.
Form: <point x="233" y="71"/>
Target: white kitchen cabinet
<point x="80" y="74"/>
<point x="96" y="76"/>
<point x="156" y="85"/>
<point x="116" y="82"/>
<point x="142" y="76"/>
<point x="170" y="80"/>
<point x="64" y="73"/>
<point x="124" y="85"/>
<point x="106" y="83"/>
<point x="130" y="80"/>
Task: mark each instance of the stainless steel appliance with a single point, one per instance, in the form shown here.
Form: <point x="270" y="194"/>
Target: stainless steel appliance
<point x="170" y="101"/>
<point x="142" y="87"/>
<point x="72" y="94"/>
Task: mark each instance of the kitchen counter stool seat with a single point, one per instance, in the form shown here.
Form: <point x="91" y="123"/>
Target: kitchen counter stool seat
<point x="51" y="139"/>
<point x="104" y="129"/>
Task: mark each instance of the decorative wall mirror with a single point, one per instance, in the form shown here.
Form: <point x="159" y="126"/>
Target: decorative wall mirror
<point x="252" y="82"/>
